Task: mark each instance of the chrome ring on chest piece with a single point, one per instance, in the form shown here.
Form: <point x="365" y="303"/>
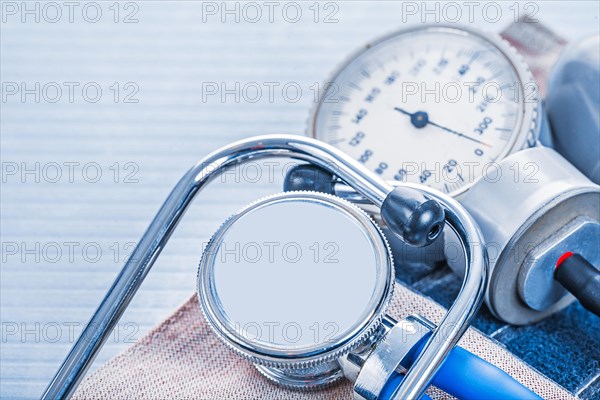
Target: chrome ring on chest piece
<point x="294" y="282"/>
<point x="298" y="283"/>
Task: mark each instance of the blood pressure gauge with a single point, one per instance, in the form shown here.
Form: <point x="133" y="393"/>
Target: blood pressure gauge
<point x="443" y="106"/>
<point x="433" y="105"/>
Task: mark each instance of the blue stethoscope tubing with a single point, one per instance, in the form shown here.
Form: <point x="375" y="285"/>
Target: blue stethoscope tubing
<point x="468" y="377"/>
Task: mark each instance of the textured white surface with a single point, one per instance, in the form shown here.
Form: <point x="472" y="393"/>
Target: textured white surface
<point x="168" y="54"/>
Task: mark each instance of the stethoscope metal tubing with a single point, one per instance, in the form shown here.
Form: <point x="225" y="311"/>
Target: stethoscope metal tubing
<point x="456" y="321"/>
<point x="374" y="189"/>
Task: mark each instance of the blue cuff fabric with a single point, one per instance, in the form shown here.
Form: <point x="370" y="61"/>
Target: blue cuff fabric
<point x="564" y="347"/>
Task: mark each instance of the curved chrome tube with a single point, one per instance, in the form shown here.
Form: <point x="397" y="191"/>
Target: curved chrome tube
<point x="456" y="321"/>
<point x="363" y="181"/>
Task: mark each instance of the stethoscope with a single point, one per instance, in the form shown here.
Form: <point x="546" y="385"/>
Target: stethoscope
<point x="414" y="213"/>
<point x="383" y="357"/>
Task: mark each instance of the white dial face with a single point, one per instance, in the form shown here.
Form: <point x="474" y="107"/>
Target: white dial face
<point x="434" y="106"/>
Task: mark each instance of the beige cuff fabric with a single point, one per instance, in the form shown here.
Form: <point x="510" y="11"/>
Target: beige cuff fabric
<point x="183" y="359"/>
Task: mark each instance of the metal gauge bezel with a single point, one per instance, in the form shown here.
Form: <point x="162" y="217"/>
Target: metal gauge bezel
<point x="304" y="357"/>
<point x="529" y="120"/>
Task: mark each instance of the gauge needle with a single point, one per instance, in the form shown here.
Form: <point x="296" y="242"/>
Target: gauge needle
<point x="420" y="119"/>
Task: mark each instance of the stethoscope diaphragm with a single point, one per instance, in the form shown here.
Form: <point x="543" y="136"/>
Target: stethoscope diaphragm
<point x="294" y="282"/>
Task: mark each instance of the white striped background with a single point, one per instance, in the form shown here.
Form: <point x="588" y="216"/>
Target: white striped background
<point x="168" y="54"/>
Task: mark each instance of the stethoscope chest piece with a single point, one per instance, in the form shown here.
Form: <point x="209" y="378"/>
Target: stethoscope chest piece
<point x="294" y="282"/>
<point x="299" y="282"/>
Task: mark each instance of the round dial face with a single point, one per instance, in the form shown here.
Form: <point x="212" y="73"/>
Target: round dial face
<point x="436" y="106"/>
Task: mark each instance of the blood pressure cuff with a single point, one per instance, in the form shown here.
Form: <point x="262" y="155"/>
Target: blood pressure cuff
<point x="183" y="359"/>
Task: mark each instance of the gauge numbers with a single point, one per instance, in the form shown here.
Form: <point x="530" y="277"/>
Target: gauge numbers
<point x="436" y="106"/>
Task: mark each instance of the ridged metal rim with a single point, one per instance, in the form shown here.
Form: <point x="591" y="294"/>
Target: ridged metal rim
<point x="309" y="385"/>
<point x="315" y="358"/>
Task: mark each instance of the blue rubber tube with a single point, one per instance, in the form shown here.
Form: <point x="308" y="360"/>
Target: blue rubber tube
<point x="468" y="377"/>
